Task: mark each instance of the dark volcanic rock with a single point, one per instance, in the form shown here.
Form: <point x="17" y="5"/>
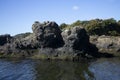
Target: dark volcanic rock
<point x="47" y="41"/>
<point x="28" y="42"/>
<point x="45" y="34"/>
<point x="48" y="34"/>
<point x="77" y="39"/>
<point x="5" y="39"/>
<point x="76" y="45"/>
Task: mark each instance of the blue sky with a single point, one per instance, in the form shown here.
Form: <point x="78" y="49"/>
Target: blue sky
<point x="17" y="16"/>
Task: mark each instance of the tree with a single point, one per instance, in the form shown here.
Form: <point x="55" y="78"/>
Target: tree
<point x="109" y="27"/>
<point x="63" y="26"/>
<point x="76" y="23"/>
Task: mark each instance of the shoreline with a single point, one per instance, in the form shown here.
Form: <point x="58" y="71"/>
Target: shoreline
<point x="48" y="42"/>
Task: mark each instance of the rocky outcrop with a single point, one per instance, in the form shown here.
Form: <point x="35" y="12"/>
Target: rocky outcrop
<point x="5" y="39"/>
<point x="76" y="45"/>
<point x="45" y="35"/>
<point x="29" y="42"/>
<point x="49" y="42"/>
<point x="48" y="34"/>
<point x="76" y="38"/>
<point x="107" y="44"/>
<point x="77" y="41"/>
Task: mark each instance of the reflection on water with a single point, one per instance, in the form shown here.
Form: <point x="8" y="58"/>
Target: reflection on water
<point x="101" y="69"/>
<point x="16" y="70"/>
<point x="63" y="70"/>
<point x="106" y="69"/>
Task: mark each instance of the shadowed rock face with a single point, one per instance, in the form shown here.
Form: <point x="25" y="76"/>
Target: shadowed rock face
<point x="5" y="39"/>
<point x="48" y="34"/>
<point x="77" y="42"/>
<point x="76" y="38"/>
<point x="44" y="35"/>
<point x="48" y="41"/>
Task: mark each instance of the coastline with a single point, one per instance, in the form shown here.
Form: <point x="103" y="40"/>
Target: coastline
<point x="48" y="42"/>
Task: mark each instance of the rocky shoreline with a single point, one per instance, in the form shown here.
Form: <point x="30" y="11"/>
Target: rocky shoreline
<point x="107" y="44"/>
<point x="48" y="42"/>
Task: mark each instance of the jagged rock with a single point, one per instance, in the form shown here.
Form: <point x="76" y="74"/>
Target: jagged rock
<point x="76" y="38"/>
<point x="48" y="41"/>
<point x="5" y="39"/>
<point x="29" y="42"/>
<point x="45" y="34"/>
<point x="48" y="34"/>
<point x="76" y="45"/>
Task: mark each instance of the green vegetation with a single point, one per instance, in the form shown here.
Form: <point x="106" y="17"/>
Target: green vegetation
<point x="108" y="27"/>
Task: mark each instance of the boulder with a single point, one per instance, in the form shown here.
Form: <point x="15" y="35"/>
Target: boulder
<point x="76" y="38"/>
<point x="48" y="34"/>
<point x="77" y="42"/>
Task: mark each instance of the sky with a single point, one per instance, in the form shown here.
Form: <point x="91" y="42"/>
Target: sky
<point x="17" y="16"/>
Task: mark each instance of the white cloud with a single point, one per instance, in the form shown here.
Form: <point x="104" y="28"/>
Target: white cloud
<point x="75" y="8"/>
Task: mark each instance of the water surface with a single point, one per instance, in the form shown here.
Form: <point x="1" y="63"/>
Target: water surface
<point x="26" y="69"/>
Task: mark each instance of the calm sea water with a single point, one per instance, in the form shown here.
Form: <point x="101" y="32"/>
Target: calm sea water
<point x="22" y="69"/>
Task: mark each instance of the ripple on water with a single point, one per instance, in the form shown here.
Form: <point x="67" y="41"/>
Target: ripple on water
<point x="106" y="69"/>
<point x="22" y="70"/>
<point x="101" y="69"/>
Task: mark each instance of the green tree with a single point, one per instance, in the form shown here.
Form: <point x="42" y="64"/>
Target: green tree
<point x="63" y="25"/>
<point x="76" y="23"/>
<point x="108" y="27"/>
<point x="93" y="26"/>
